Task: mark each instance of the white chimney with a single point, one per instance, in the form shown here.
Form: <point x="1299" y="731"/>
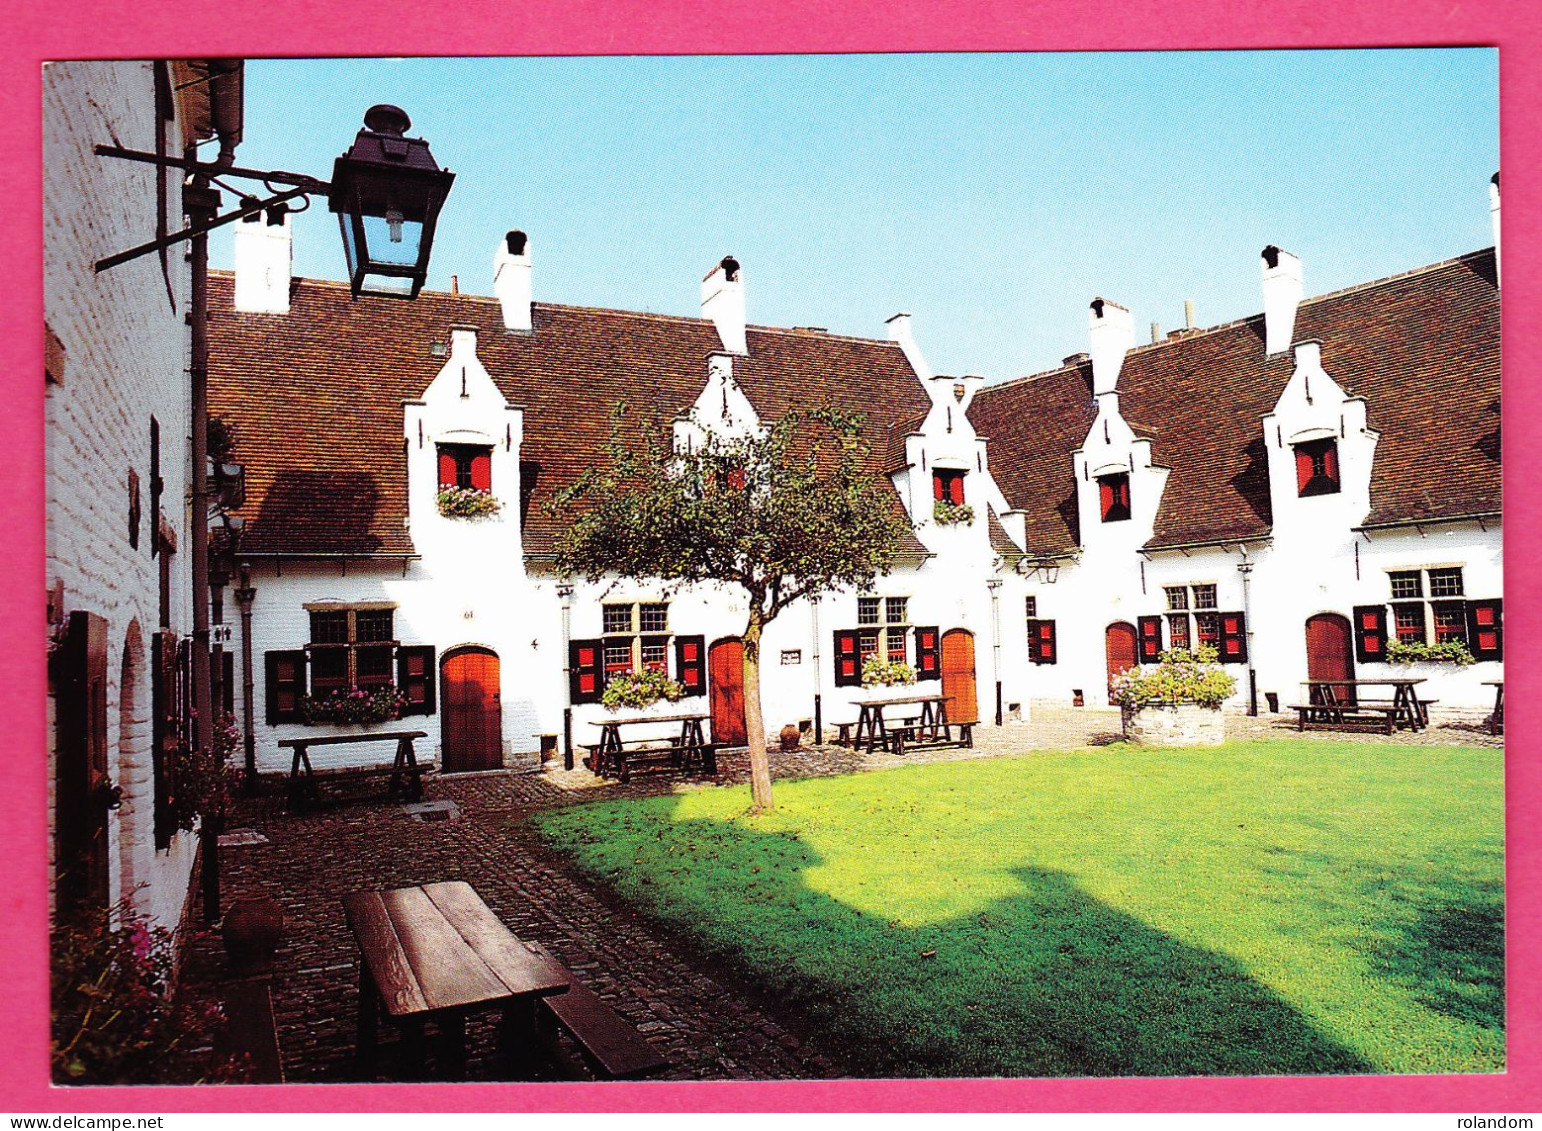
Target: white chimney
<point x="901" y="335"/>
<point x="1111" y="329"/>
<point x="264" y="258"/>
<point x="1282" y="294"/>
<point x="722" y="300"/>
<point x="511" y="281"/>
<point x="1493" y="212"/>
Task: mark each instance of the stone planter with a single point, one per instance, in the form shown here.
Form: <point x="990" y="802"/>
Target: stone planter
<point x="1174" y="724"/>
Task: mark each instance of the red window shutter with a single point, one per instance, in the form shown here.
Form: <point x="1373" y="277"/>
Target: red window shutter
<point x="928" y="657"/>
<point x="447" y="475"/>
<point x="1150" y="639"/>
<point x="1234" y="638"/>
<point x="1105" y="496"/>
<point x="1485" y="629"/>
<point x="482" y="471"/>
<point x="1124" y="492"/>
<point x="285" y="685"/>
<point x="956" y="490"/>
<point x="586" y="676"/>
<point x="1371" y="634"/>
<point x="848" y="659"/>
<point x="415" y="678"/>
<point x="736" y="478"/>
<point x="690" y="669"/>
<point x="1303" y="468"/>
<point x="1330" y="461"/>
<point x="937" y="486"/>
<point x="1041" y="641"/>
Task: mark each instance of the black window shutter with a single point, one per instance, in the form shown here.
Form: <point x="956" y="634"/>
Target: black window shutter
<point x="1234" y="638"/>
<point x="285" y="686"/>
<point x="690" y="663"/>
<point x="848" y="658"/>
<point x="1150" y="639"/>
<point x="1486" y="629"/>
<point x="1371" y="634"/>
<point x="415" y="678"/>
<point x="928" y="656"/>
<point x="1041" y="641"/>
<point x="586" y="671"/>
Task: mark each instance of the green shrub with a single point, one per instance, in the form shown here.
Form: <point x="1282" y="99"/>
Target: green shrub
<point x="1446" y="652"/>
<point x="952" y="514"/>
<point x="467" y="502"/>
<point x="355" y="705"/>
<point x="1181" y="676"/>
<point x="641" y="689"/>
<point x="879" y="672"/>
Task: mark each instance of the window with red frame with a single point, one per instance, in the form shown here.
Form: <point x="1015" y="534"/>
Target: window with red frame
<point x="948" y="486"/>
<point x="466" y="465"/>
<point x="1317" y="468"/>
<point x="1114" y="497"/>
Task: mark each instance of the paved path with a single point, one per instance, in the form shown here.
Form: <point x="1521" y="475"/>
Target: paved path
<point x="707" y="1026"/>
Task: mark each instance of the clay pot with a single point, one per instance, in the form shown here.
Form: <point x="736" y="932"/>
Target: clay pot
<point x="252" y="930"/>
<point x="790" y="737"/>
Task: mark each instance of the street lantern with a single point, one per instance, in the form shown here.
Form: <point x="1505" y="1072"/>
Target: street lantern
<point x="387" y="191"/>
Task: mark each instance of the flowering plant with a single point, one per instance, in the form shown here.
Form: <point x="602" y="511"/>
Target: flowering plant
<point x="1445" y="652"/>
<point x="945" y="513"/>
<point x="879" y="672"/>
<point x="467" y="502"/>
<point x="115" y="1020"/>
<point x="354" y="705"/>
<point x="1181" y="676"/>
<point x="202" y="782"/>
<point x="640" y="689"/>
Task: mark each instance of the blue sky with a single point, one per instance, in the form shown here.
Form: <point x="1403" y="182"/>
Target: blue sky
<point x="990" y="195"/>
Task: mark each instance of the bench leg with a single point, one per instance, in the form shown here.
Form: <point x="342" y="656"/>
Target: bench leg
<point x="966" y="735"/>
<point x="369" y="1025"/>
<point x="517" y="1037"/>
<point x="452" y="1046"/>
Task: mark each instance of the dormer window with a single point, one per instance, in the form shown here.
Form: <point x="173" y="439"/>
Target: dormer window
<point x="1317" y="468"/>
<point x="1114" y="497"/>
<point x="948" y="486"/>
<point x="466" y="466"/>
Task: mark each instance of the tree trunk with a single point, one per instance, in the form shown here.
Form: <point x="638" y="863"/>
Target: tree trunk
<point x="754" y="723"/>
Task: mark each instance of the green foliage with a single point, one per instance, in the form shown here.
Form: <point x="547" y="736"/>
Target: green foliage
<point x="945" y="513"/>
<point x="202" y="782"/>
<point x="467" y="502"/>
<point x="1446" y="652"/>
<point x="640" y="689"/>
<point x="786" y="515"/>
<point x="1312" y="906"/>
<point x="879" y="672"/>
<point x="114" y="1019"/>
<point x="353" y="705"/>
<point x="1181" y="676"/>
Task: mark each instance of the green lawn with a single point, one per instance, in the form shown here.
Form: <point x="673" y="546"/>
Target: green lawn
<point x="1280" y="907"/>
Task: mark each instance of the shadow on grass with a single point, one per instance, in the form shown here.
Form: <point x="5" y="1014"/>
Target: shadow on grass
<point x="1452" y="954"/>
<point x="1044" y="981"/>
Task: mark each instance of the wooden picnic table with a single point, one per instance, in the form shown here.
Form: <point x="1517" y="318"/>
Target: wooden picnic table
<point x="930" y="726"/>
<point x="687" y="749"/>
<point x="437" y="953"/>
<point x="1337" y="702"/>
<point x="405" y="771"/>
<point x="1496" y="721"/>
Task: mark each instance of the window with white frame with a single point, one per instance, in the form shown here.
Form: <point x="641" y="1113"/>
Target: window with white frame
<point x="636" y="637"/>
<point x="882" y="626"/>
<point x="1428" y="605"/>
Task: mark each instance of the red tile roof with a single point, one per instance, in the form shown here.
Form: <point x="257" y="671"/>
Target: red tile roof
<point x="1422" y="348"/>
<point x="315" y="399"/>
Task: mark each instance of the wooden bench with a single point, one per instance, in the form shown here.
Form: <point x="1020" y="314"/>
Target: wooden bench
<point x="907" y="735"/>
<point x="611" y="1048"/>
<point x="843" y="737"/>
<point x="1380" y="716"/>
<point x="655" y="753"/>
<point x="406" y="773"/>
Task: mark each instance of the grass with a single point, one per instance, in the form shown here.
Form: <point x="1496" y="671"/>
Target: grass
<point x="1277" y="907"/>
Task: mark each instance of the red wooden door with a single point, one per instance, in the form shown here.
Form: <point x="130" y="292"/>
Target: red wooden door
<point x="958" y="675"/>
<point x="81" y="800"/>
<point x="1119" y="645"/>
<point x="471" y="711"/>
<point x="1330" y="652"/>
<point x="725" y="680"/>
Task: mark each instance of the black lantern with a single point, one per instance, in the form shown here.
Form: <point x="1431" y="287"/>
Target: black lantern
<point x="387" y="191"/>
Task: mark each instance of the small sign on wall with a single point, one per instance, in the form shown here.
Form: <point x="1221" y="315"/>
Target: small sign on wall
<point x="792" y="656"/>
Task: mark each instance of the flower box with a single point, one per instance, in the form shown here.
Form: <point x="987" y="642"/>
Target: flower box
<point x="354" y="705"/>
<point x="945" y="513"/>
<point x="467" y="502"/>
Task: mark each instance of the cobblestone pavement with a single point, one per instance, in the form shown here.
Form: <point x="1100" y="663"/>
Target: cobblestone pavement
<point x="702" y="1021"/>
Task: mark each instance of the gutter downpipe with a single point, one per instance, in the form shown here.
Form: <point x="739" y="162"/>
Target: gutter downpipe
<point x="245" y="594"/>
<point x="565" y="592"/>
<point x="819" y="723"/>
<point x="994" y="585"/>
<point x="1245" y="568"/>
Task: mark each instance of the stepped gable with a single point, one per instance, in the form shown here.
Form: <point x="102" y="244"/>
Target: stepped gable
<point x="1422" y="348"/>
<point x="315" y="399"/>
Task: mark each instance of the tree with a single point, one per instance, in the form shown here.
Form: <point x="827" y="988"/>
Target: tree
<point x="787" y="513"/>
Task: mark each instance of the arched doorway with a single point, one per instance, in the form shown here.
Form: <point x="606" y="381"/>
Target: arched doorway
<point x="958" y="675"/>
<point x="1119" y="642"/>
<point x="725" y="684"/>
<point x="1330" y="652"/>
<point x="81" y="798"/>
<point x="133" y="758"/>
<point x="471" y="710"/>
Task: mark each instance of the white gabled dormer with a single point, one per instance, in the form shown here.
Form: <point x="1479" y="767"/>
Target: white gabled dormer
<point x="264" y="259"/>
<point x="722" y="410"/>
<point x="1321" y="450"/>
<point x="1118" y="488"/>
<point x="463" y="433"/>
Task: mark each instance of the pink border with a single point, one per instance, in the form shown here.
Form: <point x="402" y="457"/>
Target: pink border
<point x="158" y="28"/>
